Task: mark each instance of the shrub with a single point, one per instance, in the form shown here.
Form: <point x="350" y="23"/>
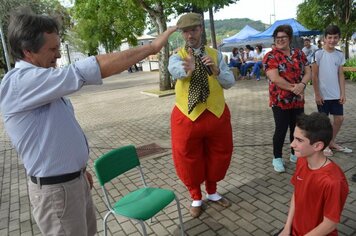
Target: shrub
<point x="349" y="74"/>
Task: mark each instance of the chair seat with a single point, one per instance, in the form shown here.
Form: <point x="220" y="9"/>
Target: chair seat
<point x="143" y="203"/>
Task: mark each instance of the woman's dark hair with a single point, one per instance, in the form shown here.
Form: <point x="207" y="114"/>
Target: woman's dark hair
<point x="316" y="127"/>
<point x="26" y="32"/>
<point x="259" y="46"/>
<point x="284" y="28"/>
<point x="235" y="51"/>
<point x="248" y="46"/>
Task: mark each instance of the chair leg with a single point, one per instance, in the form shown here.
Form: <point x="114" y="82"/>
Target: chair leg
<point x="104" y="223"/>
<point x="142" y="223"/>
<point x="180" y="216"/>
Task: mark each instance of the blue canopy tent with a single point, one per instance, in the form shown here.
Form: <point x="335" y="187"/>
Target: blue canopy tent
<point x="298" y="29"/>
<point x="243" y="34"/>
<point x="265" y="38"/>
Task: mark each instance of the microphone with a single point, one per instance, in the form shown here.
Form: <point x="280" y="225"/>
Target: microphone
<point x="207" y="68"/>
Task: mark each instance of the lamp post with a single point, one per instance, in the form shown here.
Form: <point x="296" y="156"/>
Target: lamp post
<point x="270" y="18"/>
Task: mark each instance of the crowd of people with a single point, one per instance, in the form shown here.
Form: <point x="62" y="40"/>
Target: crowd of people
<point x="244" y="59"/>
<point x="41" y="124"/>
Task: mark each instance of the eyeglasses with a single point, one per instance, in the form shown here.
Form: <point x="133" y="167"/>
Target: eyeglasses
<point x="190" y="30"/>
<point x="282" y="38"/>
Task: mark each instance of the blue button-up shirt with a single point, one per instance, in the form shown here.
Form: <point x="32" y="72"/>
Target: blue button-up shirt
<point x="40" y="121"/>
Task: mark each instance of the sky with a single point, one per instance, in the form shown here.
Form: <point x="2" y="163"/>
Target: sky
<point x="262" y="10"/>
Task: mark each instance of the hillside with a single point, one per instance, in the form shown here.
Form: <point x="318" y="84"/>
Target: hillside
<point x="223" y="29"/>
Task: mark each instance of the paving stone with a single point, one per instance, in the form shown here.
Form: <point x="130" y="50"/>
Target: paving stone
<point x="260" y="197"/>
<point x="200" y="229"/>
<point x="246" y="225"/>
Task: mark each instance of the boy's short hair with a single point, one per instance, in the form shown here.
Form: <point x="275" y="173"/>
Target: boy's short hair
<point x="307" y="39"/>
<point x="332" y="29"/>
<point x="316" y="127"/>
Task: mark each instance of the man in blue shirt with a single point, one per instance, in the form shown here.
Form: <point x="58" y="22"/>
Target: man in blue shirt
<point x="41" y="123"/>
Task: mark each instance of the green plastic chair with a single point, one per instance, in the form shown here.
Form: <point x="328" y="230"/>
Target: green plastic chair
<point x="141" y="204"/>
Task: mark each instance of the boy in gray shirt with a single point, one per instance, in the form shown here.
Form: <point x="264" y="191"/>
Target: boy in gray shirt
<point x="329" y="84"/>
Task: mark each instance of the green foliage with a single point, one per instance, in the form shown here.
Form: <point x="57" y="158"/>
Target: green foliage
<point x="349" y="74"/>
<point x="318" y="14"/>
<point x="49" y="7"/>
<point x="194" y="5"/>
<point x="106" y="23"/>
<point x="223" y="28"/>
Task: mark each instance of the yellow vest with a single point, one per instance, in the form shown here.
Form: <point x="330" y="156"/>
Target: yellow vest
<point x="215" y="102"/>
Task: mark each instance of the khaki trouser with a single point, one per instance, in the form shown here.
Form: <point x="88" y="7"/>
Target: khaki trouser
<point x="64" y="209"/>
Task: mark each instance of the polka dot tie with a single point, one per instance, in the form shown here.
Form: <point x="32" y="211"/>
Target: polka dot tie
<point x="199" y="86"/>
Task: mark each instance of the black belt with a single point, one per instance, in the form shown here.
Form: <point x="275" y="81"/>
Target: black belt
<point x="56" y="179"/>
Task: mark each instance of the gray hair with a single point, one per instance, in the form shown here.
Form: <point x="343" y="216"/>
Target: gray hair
<point x="26" y="32"/>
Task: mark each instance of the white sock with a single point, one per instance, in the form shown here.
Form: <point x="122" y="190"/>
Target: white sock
<point x="213" y="197"/>
<point x="197" y="203"/>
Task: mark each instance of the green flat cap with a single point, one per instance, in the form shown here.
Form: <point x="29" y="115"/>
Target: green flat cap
<point x="189" y="20"/>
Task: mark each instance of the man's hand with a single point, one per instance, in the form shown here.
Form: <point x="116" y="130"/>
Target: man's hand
<point x="209" y="62"/>
<point x="90" y="179"/>
<point x="189" y="63"/>
<point x="342" y="99"/>
<point x="162" y="39"/>
<point x="319" y="100"/>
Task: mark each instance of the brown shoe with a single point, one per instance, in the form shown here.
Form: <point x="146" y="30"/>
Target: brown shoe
<point x="195" y="212"/>
<point x="222" y="202"/>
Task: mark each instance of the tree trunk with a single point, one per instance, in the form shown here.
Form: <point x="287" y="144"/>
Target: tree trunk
<point x="212" y="28"/>
<point x="157" y="17"/>
<point x="7" y="58"/>
<point x="347" y="55"/>
<point x="163" y="57"/>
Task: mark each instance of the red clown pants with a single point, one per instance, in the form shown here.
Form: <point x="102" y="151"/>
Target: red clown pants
<point x="202" y="149"/>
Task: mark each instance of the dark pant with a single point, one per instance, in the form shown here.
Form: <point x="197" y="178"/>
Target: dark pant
<point x="283" y="118"/>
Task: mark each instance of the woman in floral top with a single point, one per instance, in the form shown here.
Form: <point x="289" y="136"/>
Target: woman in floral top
<point x="288" y="74"/>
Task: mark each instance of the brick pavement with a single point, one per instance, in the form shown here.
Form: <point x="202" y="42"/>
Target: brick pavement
<point x="112" y="116"/>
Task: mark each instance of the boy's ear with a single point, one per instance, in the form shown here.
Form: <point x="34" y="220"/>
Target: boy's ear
<point x="318" y="146"/>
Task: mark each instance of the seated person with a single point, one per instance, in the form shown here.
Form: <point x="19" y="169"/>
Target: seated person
<point x="235" y="59"/>
<point x="249" y="62"/>
<point x="256" y="71"/>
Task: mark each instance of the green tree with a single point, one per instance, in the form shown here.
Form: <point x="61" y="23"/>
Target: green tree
<point x="158" y="11"/>
<point x="199" y="6"/>
<point x="318" y="14"/>
<point x="106" y="23"/>
<point x="49" y="7"/>
<point x="97" y="26"/>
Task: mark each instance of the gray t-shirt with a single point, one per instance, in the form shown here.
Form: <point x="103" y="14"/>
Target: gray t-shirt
<point x="329" y="63"/>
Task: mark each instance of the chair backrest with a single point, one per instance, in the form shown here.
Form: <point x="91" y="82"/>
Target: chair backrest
<point x="115" y="163"/>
